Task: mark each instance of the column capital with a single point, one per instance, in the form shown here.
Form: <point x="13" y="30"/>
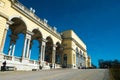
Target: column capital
<point x="54" y="46"/>
<point x="10" y="22"/>
<point x="43" y="40"/>
<point x="28" y="36"/>
<point x="29" y="32"/>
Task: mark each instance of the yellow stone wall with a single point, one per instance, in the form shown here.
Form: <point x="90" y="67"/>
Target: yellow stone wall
<point x="70" y="42"/>
<point x="2" y="31"/>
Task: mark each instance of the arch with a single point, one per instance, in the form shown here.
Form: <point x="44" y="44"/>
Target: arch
<point x="18" y="30"/>
<point x="35" y="45"/>
<point x="38" y="30"/>
<point x="21" y="26"/>
<point x="19" y="17"/>
<point x="65" y="59"/>
<point x="58" y="53"/>
<point x="37" y="35"/>
<point x="48" y="49"/>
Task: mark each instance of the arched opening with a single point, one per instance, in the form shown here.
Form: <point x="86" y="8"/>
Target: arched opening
<point x="7" y="42"/>
<point x="35" y="50"/>
<point x="35" y="45"/>
<point x="15" y="37"/>
<point x="48" y="50"/>
<point x="65" y="61"/>
<point x="19" y="45"/>
<point x="58" y="53"/>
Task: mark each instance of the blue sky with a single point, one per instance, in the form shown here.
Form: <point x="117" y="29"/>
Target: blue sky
<point x="96" y="22"/>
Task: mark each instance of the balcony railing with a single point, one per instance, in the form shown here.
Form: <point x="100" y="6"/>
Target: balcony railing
<point x="6" y="57"/>
<point x="19" y="59"/>
<point x="34" y="62"/>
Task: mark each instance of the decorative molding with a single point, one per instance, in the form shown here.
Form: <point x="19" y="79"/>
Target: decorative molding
<point x="29" y="32"/>
<point x="70" y="38"/>
<point x="10" y="22"/>
<point x="4" y="15"/>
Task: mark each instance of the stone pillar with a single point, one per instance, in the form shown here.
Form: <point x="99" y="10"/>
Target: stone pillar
<point x="13" y="52"/>
<point x="42" y="51"/>
<point x="26" y="46"/>
<point x="29" y="53"/>
<point x="10" y="50"/>
<point x="53" y="56"/>
<point x="12" y="44"/>
<point x="13" y="49"/>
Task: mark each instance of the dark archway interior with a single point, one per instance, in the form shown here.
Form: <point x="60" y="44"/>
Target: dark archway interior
<point x="48" y="50"/>
<point x="58" y="53"/>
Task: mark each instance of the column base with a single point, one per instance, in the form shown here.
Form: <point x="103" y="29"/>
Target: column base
<point x="53" y="65"/>
<point x="25" y="60"/>
<point x="71" y="66"/>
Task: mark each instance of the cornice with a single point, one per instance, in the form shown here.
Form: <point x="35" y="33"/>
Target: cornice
<point x="3" y="15"/>
<point x="36" y="21"/>
<point x="70" y="38"/>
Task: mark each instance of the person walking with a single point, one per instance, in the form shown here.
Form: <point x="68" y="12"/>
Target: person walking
<point x="4" y="66"/>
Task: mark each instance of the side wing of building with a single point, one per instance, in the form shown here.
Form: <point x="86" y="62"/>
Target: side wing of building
<point x="75" y="51"/>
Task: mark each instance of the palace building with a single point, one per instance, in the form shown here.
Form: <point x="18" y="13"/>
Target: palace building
<point x="23" y="36"/>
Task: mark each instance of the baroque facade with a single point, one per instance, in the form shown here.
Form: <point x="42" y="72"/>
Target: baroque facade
<point x="54" y="50"/>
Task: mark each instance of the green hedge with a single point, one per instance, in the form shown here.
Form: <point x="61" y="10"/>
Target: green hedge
<point x="115" y="73"/>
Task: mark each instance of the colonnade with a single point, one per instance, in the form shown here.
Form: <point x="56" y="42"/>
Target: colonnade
<point x="26" y="53"/>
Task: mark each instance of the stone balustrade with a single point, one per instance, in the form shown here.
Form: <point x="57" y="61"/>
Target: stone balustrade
<point x="29" y="12"/>
<point x="6" y="57"/>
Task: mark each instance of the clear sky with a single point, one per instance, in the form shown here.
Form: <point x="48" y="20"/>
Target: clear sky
<point x="96" y="22"/>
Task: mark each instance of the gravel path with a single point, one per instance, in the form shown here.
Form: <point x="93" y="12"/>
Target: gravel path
<point x="60" y="74"/>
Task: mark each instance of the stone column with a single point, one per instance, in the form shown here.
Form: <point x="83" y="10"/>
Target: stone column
<point x="29" y="53"/>
<point x="30" y="49"/>
<point x="26" y="46"/>
<point x="13" y="52"/>
<point x="53" y="56"/>
<point x="42" y="51"/>
<point x="10" y="50"/>
<point x="12" y="44"/>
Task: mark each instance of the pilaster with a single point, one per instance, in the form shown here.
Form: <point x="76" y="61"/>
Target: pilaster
<point x="3" y="32"/>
